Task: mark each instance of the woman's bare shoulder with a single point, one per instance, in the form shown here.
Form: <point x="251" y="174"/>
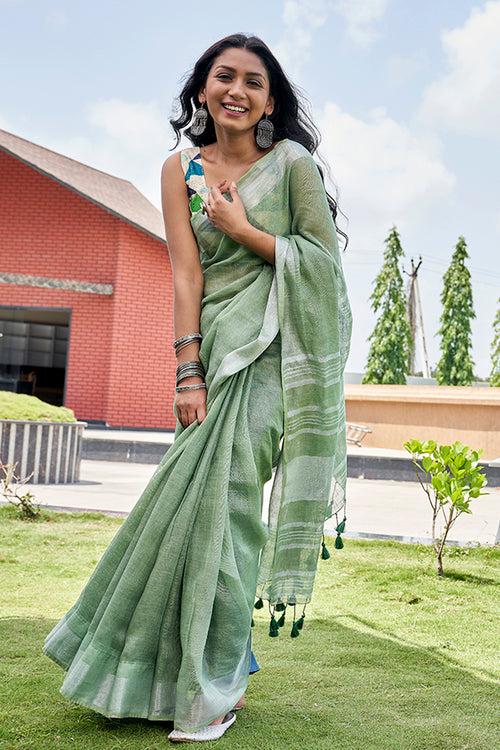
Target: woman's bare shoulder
<point x="173" y="187"/>
<point x="172" y="166"/>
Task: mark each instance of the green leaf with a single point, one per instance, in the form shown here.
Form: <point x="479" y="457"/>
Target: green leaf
<point x="427" y="463"/>
<point x="429" y="446"/>
<point x="413" y="446"/>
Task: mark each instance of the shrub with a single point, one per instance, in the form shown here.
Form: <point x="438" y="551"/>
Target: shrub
<point x="31" y="408"/>
<point x="452" y="479"/>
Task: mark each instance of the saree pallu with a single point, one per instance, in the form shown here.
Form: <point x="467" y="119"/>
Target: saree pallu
<point x="162" y="628"/>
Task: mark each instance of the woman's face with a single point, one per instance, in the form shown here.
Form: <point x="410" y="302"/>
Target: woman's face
<point x="237" y="78"/>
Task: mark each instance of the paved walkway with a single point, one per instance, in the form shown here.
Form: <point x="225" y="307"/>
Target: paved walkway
<point x="376" y="508"/>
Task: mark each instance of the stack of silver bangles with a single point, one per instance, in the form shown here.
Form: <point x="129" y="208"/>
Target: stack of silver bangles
<point x="188" y="369"/>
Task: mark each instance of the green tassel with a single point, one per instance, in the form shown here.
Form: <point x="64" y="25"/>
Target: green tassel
<point x="325" y="554"/>
<point x="300" y="622"/>
<point x="281" y="621"/>
<point x="341" y="527"/>
<point x="252" y="623"/>
<point x="338" y="542"/>
<point x="273" y="628"/>
<point x="280" y="607"/>
<point x="295" y="630"/>
<point x="259" y="604"/>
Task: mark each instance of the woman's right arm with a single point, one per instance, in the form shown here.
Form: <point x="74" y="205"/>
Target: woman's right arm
<point x="188" y="282"/>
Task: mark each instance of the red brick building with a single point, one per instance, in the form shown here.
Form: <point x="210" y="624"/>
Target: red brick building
<point x="86" y="290"/>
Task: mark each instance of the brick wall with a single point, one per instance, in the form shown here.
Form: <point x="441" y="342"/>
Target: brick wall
<point x="121" y="365"/>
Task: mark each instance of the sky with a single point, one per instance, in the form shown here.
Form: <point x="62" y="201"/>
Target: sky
<point x="406" y="96"/>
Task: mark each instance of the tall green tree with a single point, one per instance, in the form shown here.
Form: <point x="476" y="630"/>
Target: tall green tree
<point x="391" y="341"/>
<point x="455" y="366"/>
<point x="495" y="351"/>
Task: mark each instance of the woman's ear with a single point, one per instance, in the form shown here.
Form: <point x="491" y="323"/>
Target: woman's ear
<point x="270" y="104"/>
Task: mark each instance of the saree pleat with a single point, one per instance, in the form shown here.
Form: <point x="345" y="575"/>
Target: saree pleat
<point x="166" y="640"/>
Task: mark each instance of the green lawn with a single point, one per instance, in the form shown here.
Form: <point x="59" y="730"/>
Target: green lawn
<point x="391" y="657"/>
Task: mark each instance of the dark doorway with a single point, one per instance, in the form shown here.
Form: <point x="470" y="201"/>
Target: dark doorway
<point x="33" y="351"/>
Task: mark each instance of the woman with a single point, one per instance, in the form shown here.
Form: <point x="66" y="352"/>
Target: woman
<point x="262" y="325"/>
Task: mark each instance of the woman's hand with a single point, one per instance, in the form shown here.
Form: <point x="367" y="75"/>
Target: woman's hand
<point x="191" y="405"/>
<point x="229" y="217"/>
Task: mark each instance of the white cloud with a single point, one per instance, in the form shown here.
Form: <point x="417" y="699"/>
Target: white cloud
<point x="361" y="17"/>
<point x="300" y="19"/>
<point x="137" y="126"/>
<point x="386" y="174"/>
<point x="127" y="139"/>
<point x="467" y="97"/>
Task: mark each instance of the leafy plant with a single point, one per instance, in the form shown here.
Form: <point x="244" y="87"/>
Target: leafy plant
<point x="391" y="339"/>
<point x="23" y="502"/>
<point x="452" y="479"/>
<point x="455" y="366"/>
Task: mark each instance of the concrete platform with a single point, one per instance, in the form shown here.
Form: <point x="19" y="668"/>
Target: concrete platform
<point x="377" y="509"/>
<point x="148" y="447"/>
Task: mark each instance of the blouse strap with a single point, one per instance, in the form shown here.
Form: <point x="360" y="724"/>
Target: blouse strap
<point x="188" y="159"/>
<point x="193" y="176"/>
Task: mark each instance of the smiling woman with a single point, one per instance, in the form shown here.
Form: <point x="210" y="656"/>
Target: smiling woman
<point x="162" y="630"/>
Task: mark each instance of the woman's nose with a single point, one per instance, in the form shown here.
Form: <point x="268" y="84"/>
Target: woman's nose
<point x="236" y="88"/>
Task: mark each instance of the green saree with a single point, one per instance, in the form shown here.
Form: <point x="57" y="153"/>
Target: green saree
<point x="162" y="628"/>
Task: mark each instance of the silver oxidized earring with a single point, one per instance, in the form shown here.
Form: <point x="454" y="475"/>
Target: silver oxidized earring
<point x="265" y="132"/>
<point x="199" y="120"/>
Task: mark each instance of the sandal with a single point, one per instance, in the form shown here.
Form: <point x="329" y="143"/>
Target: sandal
<point x="212" y="732"/>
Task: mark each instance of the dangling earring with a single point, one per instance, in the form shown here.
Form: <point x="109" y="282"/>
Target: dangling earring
<point x="199" y="121"/>
<point x="265" y="132"/>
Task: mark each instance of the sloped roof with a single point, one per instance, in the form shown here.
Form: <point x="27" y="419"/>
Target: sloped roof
<point x="118" y="196"/>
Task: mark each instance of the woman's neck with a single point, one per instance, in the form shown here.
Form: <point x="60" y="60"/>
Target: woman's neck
<point x="230" y="150"/>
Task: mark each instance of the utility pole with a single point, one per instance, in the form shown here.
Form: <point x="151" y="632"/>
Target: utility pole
<point x="416" y="320"/>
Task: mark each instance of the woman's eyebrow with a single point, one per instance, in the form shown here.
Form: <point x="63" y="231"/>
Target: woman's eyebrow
<point x="233" y="70"/>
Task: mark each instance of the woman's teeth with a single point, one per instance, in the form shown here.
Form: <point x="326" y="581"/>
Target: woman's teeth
<point x="234" y="108"/>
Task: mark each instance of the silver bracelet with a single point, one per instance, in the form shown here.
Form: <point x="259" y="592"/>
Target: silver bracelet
<point x="192" y="387"/>
<point x="193" y="364"/>
<point x="189" y="369"/>
<point x="186" y="339"/>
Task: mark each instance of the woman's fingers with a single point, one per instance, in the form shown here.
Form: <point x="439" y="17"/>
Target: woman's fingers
<point x="189" y="413"/>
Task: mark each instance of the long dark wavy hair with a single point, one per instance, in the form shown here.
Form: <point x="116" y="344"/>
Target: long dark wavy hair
<point x="290" y="115"/>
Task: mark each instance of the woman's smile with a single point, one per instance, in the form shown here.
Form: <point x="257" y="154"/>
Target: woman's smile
<point x="234" y="110"/>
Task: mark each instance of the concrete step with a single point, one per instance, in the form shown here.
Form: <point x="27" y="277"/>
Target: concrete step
<point x="148" y="447"/>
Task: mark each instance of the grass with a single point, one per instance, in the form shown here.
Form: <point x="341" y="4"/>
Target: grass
<point x="21" y="406"/>
<point x="391" y="657"/>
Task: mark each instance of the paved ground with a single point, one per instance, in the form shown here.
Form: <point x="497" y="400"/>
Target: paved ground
<point x="376" y="508"/>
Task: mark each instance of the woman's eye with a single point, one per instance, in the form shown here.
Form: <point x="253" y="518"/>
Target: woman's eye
<point x="224" y="76"/>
